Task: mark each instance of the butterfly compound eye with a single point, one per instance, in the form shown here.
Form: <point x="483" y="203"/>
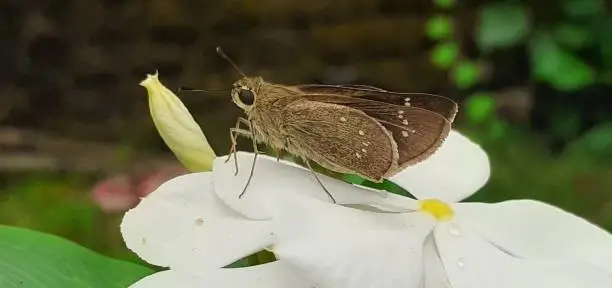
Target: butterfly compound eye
<point x="247" y="97"/>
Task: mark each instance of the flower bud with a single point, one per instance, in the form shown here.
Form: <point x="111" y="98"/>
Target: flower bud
<point x="177" y="127"/>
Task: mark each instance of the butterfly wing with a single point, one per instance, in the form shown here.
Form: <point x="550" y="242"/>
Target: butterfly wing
<point x="417" y="132"/>
<point x="359" y="86"/>
<point x="435" y="103"/>
<point x="340" y="138"/>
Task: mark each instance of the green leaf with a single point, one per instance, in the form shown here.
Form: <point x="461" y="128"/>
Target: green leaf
<point x="439" y="27"/>
<point x="33" y="259"/>
<point x="497" y="129"/>
<point x="240" y="263"/>
<point x="446" y="4"/>
<point x="572" y="36"/>
<point x="465" y="74"/>
<point x="598" y="140"/>
<point x="565" y="123"/>
<point x="445" y="54"/>
<point x="501" y="25"/>
<point x="354" y="179"/>
<point x="594" y="145"/>
<point x="606" y="77"/>
<point x="480" y="107"/>
<point x="606" y="42"/>
<point x="584" y="8"/>
<point x="559" y="68"/>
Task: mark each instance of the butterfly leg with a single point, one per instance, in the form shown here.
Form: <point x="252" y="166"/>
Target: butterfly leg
<point x="278" y="150"/>
<point x="253" y="165"/>
<point x="278" y="154"/>
<point x="319" y="180"/>
<point x="234" y="132"/>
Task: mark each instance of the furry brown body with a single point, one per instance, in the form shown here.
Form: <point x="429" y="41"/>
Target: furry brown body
<point x="359" y="130"/>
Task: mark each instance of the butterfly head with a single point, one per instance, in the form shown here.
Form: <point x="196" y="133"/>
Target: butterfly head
<point x="244" y="92"/>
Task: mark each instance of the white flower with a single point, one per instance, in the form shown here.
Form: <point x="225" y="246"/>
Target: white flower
<point x="177" y="127"/>
<point x="185" y="227"/>
<point x="434" y="242"/>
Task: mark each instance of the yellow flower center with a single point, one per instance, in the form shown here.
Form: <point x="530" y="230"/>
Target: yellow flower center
<point x="437" y="208"/>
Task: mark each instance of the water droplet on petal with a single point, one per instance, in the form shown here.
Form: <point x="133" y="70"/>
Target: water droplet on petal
<point x="461" y="262"/>
<point x="454" y="229"/>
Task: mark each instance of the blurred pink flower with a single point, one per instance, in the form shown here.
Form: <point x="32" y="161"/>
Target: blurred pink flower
<point x="122" y="192"/>
<point x="149" y="182"/>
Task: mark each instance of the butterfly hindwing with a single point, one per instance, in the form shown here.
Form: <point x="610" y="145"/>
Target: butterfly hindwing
<point x="340" y="138"/>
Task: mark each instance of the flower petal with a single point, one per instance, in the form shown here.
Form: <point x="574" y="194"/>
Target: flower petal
<point x="344" y="247"/>
<point x="177" y="127"/>
<point x="434" y="274"/>
<point x="471" y="261"/>
<point x="272" y="179"/>
<point x="532" y="229"/>
<point x="456" y="171"/>
<point x="270" y="275"/>
<point x="183" y="225"/>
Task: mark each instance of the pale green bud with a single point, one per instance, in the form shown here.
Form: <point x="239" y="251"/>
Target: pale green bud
<point x="177" y="127"/>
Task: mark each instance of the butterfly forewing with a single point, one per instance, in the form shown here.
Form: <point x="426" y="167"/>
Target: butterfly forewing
<point x="435" y="103"/>
<point x="417" y="132"/>
<point x="340" y="138"/>
<point x="420" y="138"/>
<point x="359" y="86"/>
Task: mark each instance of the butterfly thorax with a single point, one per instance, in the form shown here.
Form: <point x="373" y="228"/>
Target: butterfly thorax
<point x="263" y="104"/>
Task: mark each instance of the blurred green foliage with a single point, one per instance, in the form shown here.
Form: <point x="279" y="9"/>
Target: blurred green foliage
<point x="60" y="204"/>
<point x="556" y="49"/>
<point x="552" y="46"/>
<point x="445" y="3"/>
<point x="445" y="54"/>
<point x="439" y="27"/>
<point x="465" y="74"/>
<point x="501" y="24"/>
<point x="558" y="67"/>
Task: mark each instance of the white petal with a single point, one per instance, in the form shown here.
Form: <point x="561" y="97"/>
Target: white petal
<point x="177" y="127"/>
<point x="182" y="224"/>
<point x="344" y="247"/>
<point x="271" y="179"/>
<point x="534" y="229"/>
<point x="456" y="171"/>
<point x="471" y="261"/>
<point x="435" y="274"/>
<point x="270" y="275"/>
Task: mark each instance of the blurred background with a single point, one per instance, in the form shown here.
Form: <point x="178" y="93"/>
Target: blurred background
<point x="77" y="146"/>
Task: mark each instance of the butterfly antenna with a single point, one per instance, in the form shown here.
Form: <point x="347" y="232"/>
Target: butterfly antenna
<point x="187" y="89"/>
<point x="222" y="54"/>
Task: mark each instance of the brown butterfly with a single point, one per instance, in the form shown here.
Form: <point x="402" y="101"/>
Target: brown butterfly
<point x="351" y="129"/>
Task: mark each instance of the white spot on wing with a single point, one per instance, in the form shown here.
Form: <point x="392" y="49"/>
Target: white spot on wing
<point x="364" y="150"/>
<point x="405" y="133"/>
<point x="358" y="155"/>
<point x="365" y="144"/>
<point x="343" y="119"/>
<point x="361" y="132"/>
